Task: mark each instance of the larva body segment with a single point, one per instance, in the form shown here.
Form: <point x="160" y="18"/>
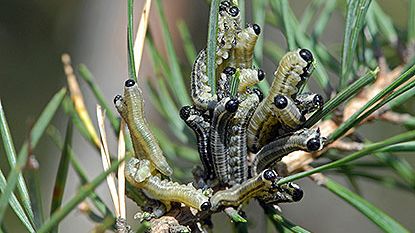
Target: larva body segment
<point x="131" y="108"/>
<point x="243" y="52"/>
<point x="228" y="28"/>
<point x="292" y="71"/>
<point x="248" y="78"/>
<point x="287" y="112"/>
<point x="241" y="193"/>
<point x="166" y="191"/>
<point x="237" y="138"/>
<point x="222" y="114"/>
<point x="304" y="139"/>
<point x="197" y="121"/>
<point x="309" y="102"/>
<point x="288" y="192"/>
<point x="200" y="90"/>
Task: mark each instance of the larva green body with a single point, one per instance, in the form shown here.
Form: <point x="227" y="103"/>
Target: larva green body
<point x="304" y="139"/>
<point x="138" y="174"/>
<point x="200" y="90"/>
<point x="237" y="139"/>
<point x="241" y="193"/>
<point x="223" y="113"/>
<point x="243" y="52"/>
<point x="131" y="108"/>
<point x="293" y="69"/>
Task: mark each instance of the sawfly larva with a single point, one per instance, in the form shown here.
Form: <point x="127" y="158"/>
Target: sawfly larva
<point x="309" y="102"/>
<point x="237" y="138"/>
<point x="247" y="78"/>
<point x="199" y="124"/>
<point x="241" y="193"/>
<point x="293" y="69"/>
<point x="131" y="109"/>
<point x="223" y="113"/>
<point x="289" y="192"/>
<point x="305" y="139"/>
<point x="223" y="89"/>
<point x="243" y="52"/>
<point x="139" y="175"/>
<point x="200" y="90"/>
<point x="228" y="27"/>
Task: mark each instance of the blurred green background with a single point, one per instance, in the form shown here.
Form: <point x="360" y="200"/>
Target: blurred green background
<point x="34" y="34"/>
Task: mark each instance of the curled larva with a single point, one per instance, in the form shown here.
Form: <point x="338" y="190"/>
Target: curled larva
<point x="197" y="121"/>
<point x="243" y="52"/>
<point x="305" y="139"/>
<point x="248" y="78"/>
<point x="223" y="113"/>
<point x="241" y="193"/>
<point x="138" y="174"/>
<point x="288" y="192"/>
<point x="309" y="102"/>
<point x="237" y="138"/>
<point x="294" y="67"/>
<point x="131" y="109"/>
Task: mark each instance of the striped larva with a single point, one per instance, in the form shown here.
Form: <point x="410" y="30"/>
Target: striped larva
<point x="200" y="90"/>
<point x="223" y="113"/>
<point x="228" y="27"/>
<point x="288" y="192"/>
<point x="293" y="69"/>
<point x="131" y="109"/>
<point x="305" y="139"/>
<point x="309" y="102"/>
<point x="243" y="52"/>
<point x="241" y="193"/>
<point x="199" y="124"/>
<point x="237" y="138"/>
<point x="138" y="174"/>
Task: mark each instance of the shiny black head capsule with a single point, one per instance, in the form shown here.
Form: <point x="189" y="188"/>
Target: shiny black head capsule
<point x="297" y="193"/>
<point x="205" y="206"/>
<point x="318" y="100"/>
<point x="185" y="112"/>
<point x="232" y="105"/>
<point x="224" y="5"/>
<point x="129" y="83"/>
<point x="257" y="29"/>
<point x="313" y="144"/>
<point x="261" y="74"/>
<point x="280" y="101"/>
<point x="234" y="11"/>
<point x="306" y="55"/>
<point x="229" y="70"/>
<point x="259" y="93"/>
<point x="270" y="175"/>
<point x="117" y="98"/>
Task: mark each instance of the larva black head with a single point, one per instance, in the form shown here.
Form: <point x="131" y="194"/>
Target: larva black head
<point x="129" y="83"/>
<point x="257" y="29"/>
<point x="185" y="112"/>
<point x="117" y="98"/>
<point x="259" y="93"/>
<point x="313" y="144"/>
<point x="270" y="175"/>
<point x="280" y="101"/>
<point x="234" y="11"/>
<point x="261" y="74"/>
<point x="205" y="206"/>
<point x="229" y="70"/>
<point x="318" y="100"/>
<point x="297" y="193"/>
<point x="232" y="105"/>
<point x="224" y="5"/>
<point x="306" y="55"/>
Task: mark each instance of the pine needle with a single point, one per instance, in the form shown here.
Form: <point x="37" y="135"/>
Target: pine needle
<point x="141" y="35"/>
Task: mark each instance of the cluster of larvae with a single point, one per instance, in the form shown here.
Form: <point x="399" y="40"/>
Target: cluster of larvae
<point x="241" y="134"/>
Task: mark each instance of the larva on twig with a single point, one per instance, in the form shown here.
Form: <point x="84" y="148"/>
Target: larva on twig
<point x="241" y="193"/>
<point x="131" y="108"/>
<point x="222" y="114"/>
<point x="200" y="125"/>
<point x="166" y="191"/>
<point x="305" y="139"/>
